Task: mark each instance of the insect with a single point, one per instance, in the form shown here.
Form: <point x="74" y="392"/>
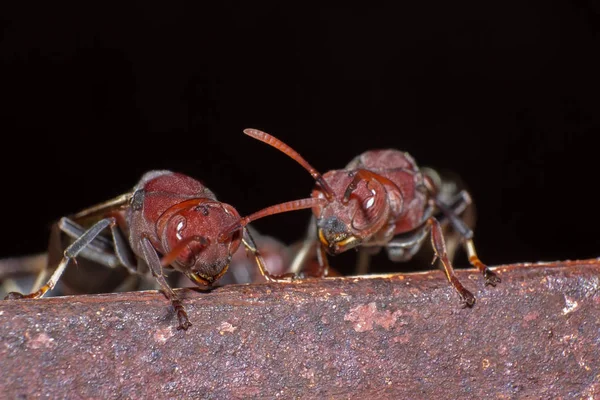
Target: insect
<point x="168" y="220"/>
<point x="382" y="199"/>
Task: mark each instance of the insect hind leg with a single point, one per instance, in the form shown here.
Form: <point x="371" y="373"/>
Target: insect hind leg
<point x="72" y="251"/>
<point x="110" y="253"/>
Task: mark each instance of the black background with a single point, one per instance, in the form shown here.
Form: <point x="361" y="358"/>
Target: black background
<point x="506" y="94"/>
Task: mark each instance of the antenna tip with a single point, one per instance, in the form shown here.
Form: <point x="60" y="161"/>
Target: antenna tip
<point x="251" y="132"/>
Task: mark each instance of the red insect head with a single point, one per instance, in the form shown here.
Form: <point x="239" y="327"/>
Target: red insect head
<point x="199" y="256"/>
<point x="350" y="217"/>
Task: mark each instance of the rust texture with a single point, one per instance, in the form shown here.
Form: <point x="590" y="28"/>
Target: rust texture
<point x="536" y="335"/>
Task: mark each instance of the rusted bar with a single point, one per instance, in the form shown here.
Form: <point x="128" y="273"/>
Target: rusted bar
<point x="536" y="335"/>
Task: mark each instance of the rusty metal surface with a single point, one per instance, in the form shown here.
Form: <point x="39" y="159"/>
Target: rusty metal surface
<point x="536" y="335"/>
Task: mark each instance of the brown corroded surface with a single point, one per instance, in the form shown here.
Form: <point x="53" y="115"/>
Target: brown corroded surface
<point x="536" y="335"/>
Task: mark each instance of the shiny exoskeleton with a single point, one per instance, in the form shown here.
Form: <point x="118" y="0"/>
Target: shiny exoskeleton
<point x="382" y="199"/>
<point x="168" y="220"/>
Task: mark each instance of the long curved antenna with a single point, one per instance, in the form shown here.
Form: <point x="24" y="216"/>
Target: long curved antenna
<point x="293" y="154"/>
<point x="276" y="209"/>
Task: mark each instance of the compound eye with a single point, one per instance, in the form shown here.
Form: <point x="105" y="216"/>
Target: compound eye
<point x="180" y="222"/>
<point x="177" y="244"/>
<point x="369" y="202"/>
<point x="371" y="208"/>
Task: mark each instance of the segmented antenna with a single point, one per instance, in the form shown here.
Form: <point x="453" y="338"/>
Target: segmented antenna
<point x="293" y="154"/>
<point x="276" y="209"/>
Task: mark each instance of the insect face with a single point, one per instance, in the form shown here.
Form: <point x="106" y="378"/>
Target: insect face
<point x="351" y="216"/>
<point x="203" y="258"/>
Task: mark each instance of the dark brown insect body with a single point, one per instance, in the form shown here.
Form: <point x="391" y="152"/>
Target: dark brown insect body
<point x="383" y="200"/>
<point x="169" y="220"/>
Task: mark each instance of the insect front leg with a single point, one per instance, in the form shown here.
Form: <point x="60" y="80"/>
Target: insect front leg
<point x="72" y="251"/>
<point x="154" y="263"/>
<point x="323" y="261"/>
<point x="439" y="246"/>
<point x="467" y="235"/>
<point x="459" y="204"/>
<point x="251" y="246"/>
<point x="310" y="240"/>
<point x="310" y="244"/>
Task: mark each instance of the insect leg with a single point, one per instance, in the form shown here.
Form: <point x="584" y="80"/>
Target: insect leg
<point x="439" y="246"/>
<point x="490" y="277"/>
<point x="467" y="234"/>
<point x="459" y="204"/>
<point x="308" y="244"/>
<point x="156" y="268"/>
<point x="251" y="246"/>
<point x="323" y="261"/>
<point x="363" y="261"/>
<point x="123" y="250"/>
<point x="70" y="253"/>
<point x="101" y="250"/>
<point x="403" y="248"/>
<point x="114" y="252"/>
